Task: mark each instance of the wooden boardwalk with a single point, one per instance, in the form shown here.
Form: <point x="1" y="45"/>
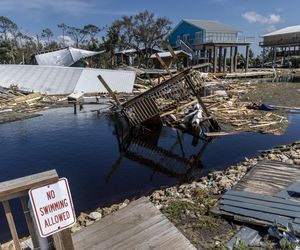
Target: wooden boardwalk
<point x="269" y="177"/>
<point x="138" y="226"/>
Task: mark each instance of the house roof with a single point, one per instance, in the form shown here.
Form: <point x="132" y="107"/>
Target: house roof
<point x="168" y="54"/>
<point x="64" y="80"/>
<point x="209" y="25"/>
<point x="287" y="30"/>
<point x="63" y="57"/>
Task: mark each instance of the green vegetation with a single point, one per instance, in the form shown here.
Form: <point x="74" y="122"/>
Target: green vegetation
<point x="177" y="209"/>
<point x="143" y="30"/>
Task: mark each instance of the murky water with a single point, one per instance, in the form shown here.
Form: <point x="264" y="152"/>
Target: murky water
<point x="102" y="170"/>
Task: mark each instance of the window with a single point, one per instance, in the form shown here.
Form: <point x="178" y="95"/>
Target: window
<point x="186" y="37"/>
<point x="198" y="36"/>
<point x="178" y="38"/>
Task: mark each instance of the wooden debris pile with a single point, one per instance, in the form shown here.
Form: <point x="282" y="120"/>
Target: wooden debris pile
<point x="234" y="114"/>
<point x="14" y="100"/>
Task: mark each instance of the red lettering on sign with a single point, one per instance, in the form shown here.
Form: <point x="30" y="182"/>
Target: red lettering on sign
<point x="50" y="195"/>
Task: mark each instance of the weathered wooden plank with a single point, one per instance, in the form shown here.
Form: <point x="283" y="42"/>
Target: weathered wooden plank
<point x="11" y="224"/>
<point x="260" y="208"/>
<point x="100" y="228"/>
<point x="262" y="202"/>
<point x="262" y="197"/>
<point x="63" y="240"/>
<point x="19" y="187"/>
<point x="257" y="215"/>
<point x="269" y="177"/>
<point x="29" y="222"/>
<point x="138" y="226"/>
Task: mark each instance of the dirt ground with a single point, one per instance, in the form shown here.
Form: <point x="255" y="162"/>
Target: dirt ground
<point x="15" y="116"/>
<point x="282" y="94"/>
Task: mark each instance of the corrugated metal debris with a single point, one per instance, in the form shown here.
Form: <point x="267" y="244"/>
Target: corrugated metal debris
<point x="55" y="80"/>
<point x="63" y="57"/>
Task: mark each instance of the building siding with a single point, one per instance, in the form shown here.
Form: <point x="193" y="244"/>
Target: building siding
<point x="183" y="28"/>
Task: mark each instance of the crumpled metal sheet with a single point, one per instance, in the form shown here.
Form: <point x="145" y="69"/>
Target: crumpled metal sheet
<point x="64" y="80"/>
<point x="63" y="57"/>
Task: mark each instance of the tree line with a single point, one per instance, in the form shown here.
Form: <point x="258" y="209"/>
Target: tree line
<point x="142" y="30"/>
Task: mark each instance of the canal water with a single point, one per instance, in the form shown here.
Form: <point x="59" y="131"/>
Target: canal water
<point x="105" y="166"/>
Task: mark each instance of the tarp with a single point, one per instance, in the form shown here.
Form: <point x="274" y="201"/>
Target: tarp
<point x="63" y="57"/>
<point x="64" y="80"/>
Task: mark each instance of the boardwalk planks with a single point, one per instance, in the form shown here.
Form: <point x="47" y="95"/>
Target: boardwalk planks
<point x="138" y="226"/>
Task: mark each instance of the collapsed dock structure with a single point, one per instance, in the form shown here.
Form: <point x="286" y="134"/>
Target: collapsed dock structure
<point x="209" y="41"/>
<point x="282" y="43"/>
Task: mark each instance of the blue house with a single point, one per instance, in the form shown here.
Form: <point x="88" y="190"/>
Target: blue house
<point x="204" y="38"/>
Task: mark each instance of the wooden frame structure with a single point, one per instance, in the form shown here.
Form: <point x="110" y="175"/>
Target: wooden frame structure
<point x="18" y="188"/>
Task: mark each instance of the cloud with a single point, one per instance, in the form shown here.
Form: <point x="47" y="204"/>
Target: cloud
<point x="271" y="28"/>
<point x="72" y="7"/>
<point x="66" y="39"/>
<point x="254" y="17"/>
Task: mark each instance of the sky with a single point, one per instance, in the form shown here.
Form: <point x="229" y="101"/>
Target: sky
<point x="253" y="17"/>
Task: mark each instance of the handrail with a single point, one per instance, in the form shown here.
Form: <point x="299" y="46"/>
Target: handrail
<point x="18" y="188"/>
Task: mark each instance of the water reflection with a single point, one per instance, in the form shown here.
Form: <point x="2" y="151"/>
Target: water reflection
<point x="141" y="146"/>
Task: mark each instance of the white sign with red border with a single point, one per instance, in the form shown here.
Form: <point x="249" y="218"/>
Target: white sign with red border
<point x="53" y="207"/>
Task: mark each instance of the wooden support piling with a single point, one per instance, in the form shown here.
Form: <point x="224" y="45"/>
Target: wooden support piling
<point x="235" y="58"/>
<point x="29" y="221"/>
<point x="247" y="59"/>
<point x="224" y="60"/>
<point x="215" y="59"/>
<point x="63" y="240"/>
<point x="220" y="59"/>
<point x="11" y="224"/>
<point x="231" y="59"/>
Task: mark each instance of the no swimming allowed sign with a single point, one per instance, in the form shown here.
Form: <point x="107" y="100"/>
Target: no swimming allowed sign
<point x="53" y="207"/>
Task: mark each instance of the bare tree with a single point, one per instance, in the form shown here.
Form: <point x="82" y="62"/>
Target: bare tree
<point x="63" y="28"/>
<point x="48" y="34"/>
<point x="7" y="26"/>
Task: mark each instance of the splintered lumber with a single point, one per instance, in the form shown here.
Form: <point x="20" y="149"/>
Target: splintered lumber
<point x="163" y="64"/>
<point x="214" y="134"/>
<point x="109" y="90"/>
<point x="178" y="108"/>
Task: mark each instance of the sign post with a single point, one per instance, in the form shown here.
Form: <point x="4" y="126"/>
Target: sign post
<point x="53" y="207"/>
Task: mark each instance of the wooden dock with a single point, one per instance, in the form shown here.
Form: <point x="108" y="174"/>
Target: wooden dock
<point x="138" y="226"/>
<point x="248" y="201"/>
<point x="269" y="177"/>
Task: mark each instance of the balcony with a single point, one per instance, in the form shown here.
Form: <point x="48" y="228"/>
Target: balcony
<point x="239" y="40"/>
<point x="281" y="42"/>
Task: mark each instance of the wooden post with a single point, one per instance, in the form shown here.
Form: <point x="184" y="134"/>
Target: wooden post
<point x="215" y="59"/>
<point x="63" y="240"/>
<point x="11" y="224"/>
<point x="75" y="108"/>
<point x="247" y="58"/>
<point x="163" y="64"/>
<point x="109" y="90"/>
<point x="274" y="55"/>
<point x="29" y="222"/>
<point x="235" y="58"/>
<point x="231" y="59"/>
<point x="263" y="57"/>
<point x="224" y="60"/>
<point x="173" y="53"/>
<point x="220" y="59"/>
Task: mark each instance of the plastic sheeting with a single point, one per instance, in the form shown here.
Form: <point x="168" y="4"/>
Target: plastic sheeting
<point x="64" y="80"/>
<point x="63" y="57"/>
